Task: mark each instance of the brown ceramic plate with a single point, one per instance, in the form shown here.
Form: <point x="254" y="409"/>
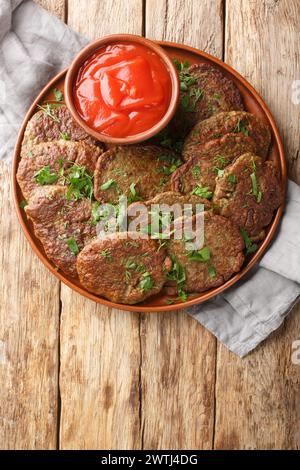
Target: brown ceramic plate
<point x="253" y="103"/>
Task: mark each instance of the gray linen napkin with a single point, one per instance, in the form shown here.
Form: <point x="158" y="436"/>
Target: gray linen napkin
<point x="34" y="46"/>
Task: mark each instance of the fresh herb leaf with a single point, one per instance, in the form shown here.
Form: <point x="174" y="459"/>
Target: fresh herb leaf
<point x="202" y="192"/>
<point x="178" y="274"/>
<point x="146" y="283"/>
<point x="73" y="247"/>
<point x="196" y="171"/>
<point x="220" y="161"/>
<point x="58" y="94"/>
<point x="254" y="184"/>
<point x="80" y="183"/>
<point x="217" y="96"/>
<point x="64" y="136"/>
<point x="107" y="184"/>
<point x="212" y="271"/>
<point x="106" y="254"/>
<point x="45" y="176"/>
<point x="133" y="195"/>
<point x="170" y="301"/>
<point x="23" y="204"/>
<point x="250" y="246"/>
<point x="48" y="110"/>
<point x="202" y="255"/>
<point x="219" y="172"/>
<point x="231" y="179"/>
<point x="241" y="127"/>
<point x="259" y="196"/>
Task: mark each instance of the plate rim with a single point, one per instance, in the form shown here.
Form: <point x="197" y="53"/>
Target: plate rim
<point x="204" y="296"/>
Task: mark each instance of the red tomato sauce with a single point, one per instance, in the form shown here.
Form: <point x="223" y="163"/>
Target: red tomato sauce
<point x="122" y="90"/>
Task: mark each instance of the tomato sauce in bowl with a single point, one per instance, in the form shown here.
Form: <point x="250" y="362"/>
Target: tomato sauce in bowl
<point x="122" y="89"/>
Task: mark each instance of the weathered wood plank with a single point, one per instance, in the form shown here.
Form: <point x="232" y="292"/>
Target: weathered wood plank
<point x="57" y="7"/>
<point x="100" y="348"/>
<point x="178" y="355"/>
<point x="99" y="376"/>
<point x="97" y="19"/>
<point x="198" y="24"/>
<point x="29" y="313"/>
<point x="178" y="378"/>
<point x="257" y="398"/>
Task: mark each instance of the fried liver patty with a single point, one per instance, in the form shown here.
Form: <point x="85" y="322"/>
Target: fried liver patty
<point x="208" y="160"/>
<point x="172" y="197"/>
<point x="212" y="93"/>
<point x="54" y="123"/>
<point x="121" y="269"/>
<point x="248" y="193"/>
<point x="58" y="157"/>
<point x="223" y="250"/>
<point x="63" y="226"/>
<point x="135" y="171"/>
<point x="226" y="123"/>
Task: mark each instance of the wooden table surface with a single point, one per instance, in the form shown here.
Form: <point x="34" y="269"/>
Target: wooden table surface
<point x="76" y="375"/>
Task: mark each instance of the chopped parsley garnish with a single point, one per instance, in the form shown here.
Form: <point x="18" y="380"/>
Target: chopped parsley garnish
<point x="170" y="301"/>
<point x="255" y="191"/>
<point x="202" y="192"/>
<point x="189" y="97"/>
<point x="250" y="246"/>
<point x="178" y="274"/>
<point x="146" y="282"/>
<point x="202" y="255"/>
<point x="196" y="171"/>
<point x="106" y="254"/>
<point x="107" y="184"/>
<point x="217" y="96"/>
<point x="58" y="94"/>
<point x="45" y="176"/>
<point x="241" y="128"/>
<point x="80" y="183"/>
<point x="95" y="213"/>
<point x="172" y="162"/>
<point x="23" y="204"/>
<point x="133" y="195"/>
<point x="133" y="244"/>
<point x="220" y="161"/>
<point x="48" y="109"/>
<point x="219" y="171"/>
<point x="212" y="271"/>
<point x="231" y="179"/>
<point x="259" y="196"/>
<point x="64" y="136"/>
<point x="73" y="247"/>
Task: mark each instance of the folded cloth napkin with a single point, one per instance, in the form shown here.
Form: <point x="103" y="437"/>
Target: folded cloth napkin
<point x="34" y="46"/>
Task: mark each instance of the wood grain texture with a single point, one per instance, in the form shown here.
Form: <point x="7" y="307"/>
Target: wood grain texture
<point x="99" y="18"/>
<point x="29" y="312"/>
<point x="178" y="355"/>
<point x="100" y="347"/>
<point x="262" y="43"/>
<point x="257" y="398"/>
<point x="178" y="378"/>
<point x="193" y="22"/>
<point x="56" y="7"/>
<point x="99" y="376"/>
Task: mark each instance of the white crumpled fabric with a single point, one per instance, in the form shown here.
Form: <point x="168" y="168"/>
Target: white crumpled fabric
<point x="34" y="46"/>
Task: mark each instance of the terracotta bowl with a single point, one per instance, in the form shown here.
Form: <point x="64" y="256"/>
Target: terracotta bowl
<point x="89" y="50"/>
<point x="253" y="103"/>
